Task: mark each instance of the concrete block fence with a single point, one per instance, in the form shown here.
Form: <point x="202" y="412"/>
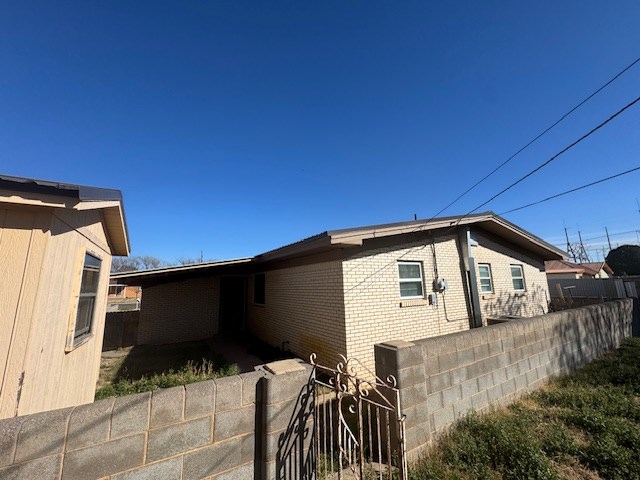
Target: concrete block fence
<point x="443" y="378"/>
<point x="224" y="429"/>
<point x="259" y="425"/>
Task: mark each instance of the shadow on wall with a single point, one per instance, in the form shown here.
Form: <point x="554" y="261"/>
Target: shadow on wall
<point x="527" y="304"/>
<point x="295" y="457"/>
<point x="597" y="330"/>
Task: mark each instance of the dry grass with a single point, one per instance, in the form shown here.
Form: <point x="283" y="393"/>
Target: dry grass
<point x="583" y="426"/>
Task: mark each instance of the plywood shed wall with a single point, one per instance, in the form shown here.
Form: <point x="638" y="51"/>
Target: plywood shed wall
<point x="41" y="259"/>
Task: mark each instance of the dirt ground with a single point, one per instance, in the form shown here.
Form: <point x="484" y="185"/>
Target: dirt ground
<point x="146" y="360"/>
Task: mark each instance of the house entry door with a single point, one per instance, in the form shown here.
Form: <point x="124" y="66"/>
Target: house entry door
<point x="232" y="304"/>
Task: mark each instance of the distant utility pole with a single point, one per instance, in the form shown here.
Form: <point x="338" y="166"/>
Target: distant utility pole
<point x="608" y="239"/>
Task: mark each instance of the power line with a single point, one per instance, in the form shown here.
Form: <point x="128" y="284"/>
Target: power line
<point x="554" y="157"/>
<point x="539" y="167"/>
<point x="611" y="235"/>
<point x="566" y="192"/>
<point x="537" y="137"/>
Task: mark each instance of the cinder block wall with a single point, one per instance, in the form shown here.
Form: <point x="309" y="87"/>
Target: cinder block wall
<point x="505" y="300"/>
<point x="303" y="310"/>
<point x="180" y="311"/>
<point x="441" y="379"/>
<point x="189" y="432"/>
<point x="374" y="310"/>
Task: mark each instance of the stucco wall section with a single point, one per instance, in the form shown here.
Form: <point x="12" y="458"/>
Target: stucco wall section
<point x="505" y="300"/>
<point x="180" y="311"/>
<point x="374" y="310"/>
<point x="303" y="306"/>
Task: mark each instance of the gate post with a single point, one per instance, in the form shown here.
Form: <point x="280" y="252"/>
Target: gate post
<point x="404" y="361"/>
<point x="287" y="422"/>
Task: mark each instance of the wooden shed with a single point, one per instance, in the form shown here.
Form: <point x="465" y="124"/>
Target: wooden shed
<point x="56" y="244"/>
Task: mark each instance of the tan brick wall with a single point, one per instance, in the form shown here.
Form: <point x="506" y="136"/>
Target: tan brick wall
<point x="373" y="309"/>
<point x="505" y="300"/>
<point x="180" y="311"/>
<point x="303" y="305"/>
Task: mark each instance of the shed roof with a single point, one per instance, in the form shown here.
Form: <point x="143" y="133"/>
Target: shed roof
<point x="46" y="193"/>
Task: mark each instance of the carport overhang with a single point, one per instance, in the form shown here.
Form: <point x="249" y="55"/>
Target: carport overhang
<point x="151" y="277"/>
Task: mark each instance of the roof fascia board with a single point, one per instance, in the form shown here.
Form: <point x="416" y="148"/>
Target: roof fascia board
<point x="529" y="236"/>
<point x="354" y="237"/>
<point x="39" y="200"/>
<point x="179" y="268"/>
<point x="94" y="205"/>
<point x="304" y="247"/>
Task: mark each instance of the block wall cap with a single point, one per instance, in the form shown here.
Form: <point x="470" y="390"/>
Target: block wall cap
<point x="284" y="366"/>
<point x="398" y="344"/>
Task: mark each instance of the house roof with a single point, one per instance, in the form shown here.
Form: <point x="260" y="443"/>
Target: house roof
<point x="348" y="237"/>
<point x="565" y="266"/>
<point x="45" y="193"/>
<point x="597" y="266"/>
<point x="488" y="221"/>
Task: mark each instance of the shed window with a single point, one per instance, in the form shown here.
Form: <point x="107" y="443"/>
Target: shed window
<point x="258" y="289"/>
<point x="410" y="275"/>
<point x="517" y="277"/>
<point x="486" y="284"/>
<point x="88" y="294"/>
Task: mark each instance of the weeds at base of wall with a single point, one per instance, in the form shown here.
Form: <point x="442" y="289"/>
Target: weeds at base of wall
<point x="582" y="426"/>
<point x="191" y="372"/>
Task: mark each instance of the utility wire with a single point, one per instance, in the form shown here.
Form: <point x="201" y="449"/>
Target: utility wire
<point x="564" y="150"/>
<point x="539" y="167"/>
<point x="537" y="137"/>
<point x="571" y="191"/>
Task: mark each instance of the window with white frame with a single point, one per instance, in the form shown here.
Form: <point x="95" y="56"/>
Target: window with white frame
<point x="486" y="284"/>
<point x="88" y="294"/>
<point x="410" y="275"/>
<point x="517" y="277"/>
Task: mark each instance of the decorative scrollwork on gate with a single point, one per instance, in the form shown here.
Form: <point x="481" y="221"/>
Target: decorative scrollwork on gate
<point x="359" y="427"/>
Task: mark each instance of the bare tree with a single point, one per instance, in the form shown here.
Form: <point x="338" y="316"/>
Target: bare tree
<point x="129" y="264"/>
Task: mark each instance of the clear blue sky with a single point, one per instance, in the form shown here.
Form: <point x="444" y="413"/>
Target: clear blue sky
<point x="236" y="127"/>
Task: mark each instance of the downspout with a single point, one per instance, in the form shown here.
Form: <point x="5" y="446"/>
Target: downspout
<point x="469" y="266"/>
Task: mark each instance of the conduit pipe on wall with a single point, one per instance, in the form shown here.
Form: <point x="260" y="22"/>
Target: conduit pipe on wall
<point x="469" y="266"/>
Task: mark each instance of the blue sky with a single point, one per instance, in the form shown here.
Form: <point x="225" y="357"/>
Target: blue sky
<point x="236" y="127"/>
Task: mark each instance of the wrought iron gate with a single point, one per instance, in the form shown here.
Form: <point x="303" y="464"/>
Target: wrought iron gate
<point x="359" y="427"/>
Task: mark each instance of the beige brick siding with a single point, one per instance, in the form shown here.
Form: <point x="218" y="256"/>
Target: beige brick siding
<point x="373" y="309"/>
<point x="505" y="300"/>
<point x="303" y="306"/>
<point x="180" y="311"/>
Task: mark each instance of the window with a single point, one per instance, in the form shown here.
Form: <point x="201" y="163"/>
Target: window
<point x="88" y="294"/>
<point x="517" y="277"/>
<point x="410" y="274"/>
<point x="258" y="289"/>
<point x="486" y="285"/>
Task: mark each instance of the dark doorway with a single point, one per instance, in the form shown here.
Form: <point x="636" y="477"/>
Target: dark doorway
<point x="232" y="304"/>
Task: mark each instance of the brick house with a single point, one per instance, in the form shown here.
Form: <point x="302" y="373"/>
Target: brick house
<point x="342" y="291"/>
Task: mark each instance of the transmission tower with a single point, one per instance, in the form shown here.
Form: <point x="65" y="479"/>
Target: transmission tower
<point x="576" y="250"/>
